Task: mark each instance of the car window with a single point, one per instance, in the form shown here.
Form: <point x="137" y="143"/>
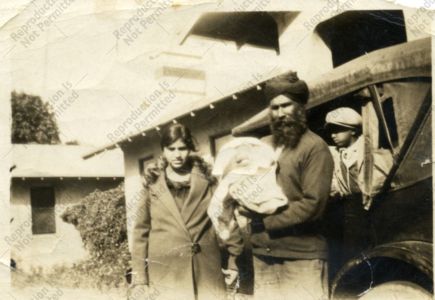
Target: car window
<point x="401" y="101"/>
<point x="417" y="163"/>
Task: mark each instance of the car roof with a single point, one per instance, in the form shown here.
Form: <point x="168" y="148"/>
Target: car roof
<point x="411" y="59"/>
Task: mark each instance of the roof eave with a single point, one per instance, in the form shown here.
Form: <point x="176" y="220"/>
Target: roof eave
<point x="146" y="131"/>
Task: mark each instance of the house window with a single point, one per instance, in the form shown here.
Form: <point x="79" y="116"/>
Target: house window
<point x="217" y="141"/>
<point x="43" y="216"/>
<point x="144" y="162"/>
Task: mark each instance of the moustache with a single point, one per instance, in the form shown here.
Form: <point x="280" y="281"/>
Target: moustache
<point x="285" y="121"/>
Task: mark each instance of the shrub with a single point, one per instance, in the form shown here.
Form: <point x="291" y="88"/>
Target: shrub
<point x="101" y="220"/>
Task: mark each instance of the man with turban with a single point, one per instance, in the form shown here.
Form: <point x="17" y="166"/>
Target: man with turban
<point x="290" y="253"/>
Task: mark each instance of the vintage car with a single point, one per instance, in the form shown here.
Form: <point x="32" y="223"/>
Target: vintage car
<point x="391" y="87"/>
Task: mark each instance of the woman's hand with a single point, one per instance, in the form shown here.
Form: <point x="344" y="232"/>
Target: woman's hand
<point x="231" y="279"/>
<point x="138" y="292"/>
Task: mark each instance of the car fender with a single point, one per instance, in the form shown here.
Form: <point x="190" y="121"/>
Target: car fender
<point x="417" y="254"/>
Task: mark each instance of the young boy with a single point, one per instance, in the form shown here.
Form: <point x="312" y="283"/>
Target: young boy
<point x="344" y="126"/>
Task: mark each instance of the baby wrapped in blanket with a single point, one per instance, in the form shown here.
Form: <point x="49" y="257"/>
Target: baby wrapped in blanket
<point x="246" y="170"/>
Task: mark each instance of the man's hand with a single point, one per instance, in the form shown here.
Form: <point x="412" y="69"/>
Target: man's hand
<point x="255" y="219"/>
<point x="246" y="212"/>
<point x="138" y="292"/>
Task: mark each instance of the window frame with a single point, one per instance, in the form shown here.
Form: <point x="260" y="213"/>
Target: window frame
<point x="140" y="162"/>
<point x="380" y="114"/>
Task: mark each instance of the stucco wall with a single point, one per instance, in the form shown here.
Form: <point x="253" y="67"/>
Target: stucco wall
<point x="45" y="250"/>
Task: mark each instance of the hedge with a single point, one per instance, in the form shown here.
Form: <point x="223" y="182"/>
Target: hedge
<point x="100" y="218"/>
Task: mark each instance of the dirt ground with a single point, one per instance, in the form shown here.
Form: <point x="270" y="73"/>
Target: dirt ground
<point x="53" y="293"/>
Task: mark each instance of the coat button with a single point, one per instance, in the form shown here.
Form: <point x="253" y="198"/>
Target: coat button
<point x="268" y="249"/>
<point x="196" y="248"/>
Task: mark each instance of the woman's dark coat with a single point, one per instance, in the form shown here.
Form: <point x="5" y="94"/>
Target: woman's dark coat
<point x="177" y="252"/>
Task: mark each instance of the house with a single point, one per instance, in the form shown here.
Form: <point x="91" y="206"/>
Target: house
<point x="45" y="180"/>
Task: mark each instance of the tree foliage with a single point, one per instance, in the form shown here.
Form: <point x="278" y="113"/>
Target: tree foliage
<point x="32" y="120"/>
<point x="101" y="220"/>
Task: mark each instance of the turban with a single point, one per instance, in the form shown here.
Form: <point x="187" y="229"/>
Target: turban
<point x="288" y="85"/>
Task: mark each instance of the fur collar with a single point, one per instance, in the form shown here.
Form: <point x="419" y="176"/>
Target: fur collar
<point x="155" y="169"/>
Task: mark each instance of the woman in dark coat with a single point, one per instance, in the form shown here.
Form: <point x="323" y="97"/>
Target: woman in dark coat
<point x="175" y="253"/>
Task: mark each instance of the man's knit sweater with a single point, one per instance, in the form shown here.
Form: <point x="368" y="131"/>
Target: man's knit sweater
<point x="294" y="232"/>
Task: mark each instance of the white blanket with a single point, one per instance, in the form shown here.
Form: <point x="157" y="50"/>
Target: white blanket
<point x="246" y="170"/>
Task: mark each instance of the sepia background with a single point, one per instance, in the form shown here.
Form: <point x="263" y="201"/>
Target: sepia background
<point x="114" y="71"/>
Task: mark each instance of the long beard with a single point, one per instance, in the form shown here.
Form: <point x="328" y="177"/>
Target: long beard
<point x="287" y="131"/>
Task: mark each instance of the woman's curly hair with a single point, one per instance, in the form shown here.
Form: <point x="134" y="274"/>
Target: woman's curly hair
<point x="154" y="169"/>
